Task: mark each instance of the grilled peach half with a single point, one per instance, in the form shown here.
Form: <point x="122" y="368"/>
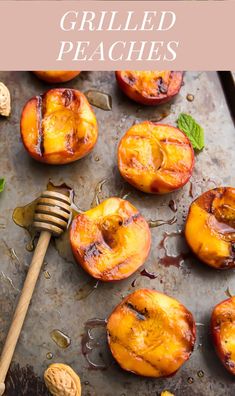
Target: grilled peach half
<point x="59" y="126"/>
<point x="210" y="227"/>
<point x="110" y="241"/>
<point x="223" y="332"/>
<point x="151" y="334"/>
<point x="150" y="87"/>
<point x="56" y="76"/>
<point x="155" y="158"/>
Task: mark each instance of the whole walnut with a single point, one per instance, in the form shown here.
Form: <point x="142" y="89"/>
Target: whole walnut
<point x="61" y="380"/>
<point x="5" y="100"/>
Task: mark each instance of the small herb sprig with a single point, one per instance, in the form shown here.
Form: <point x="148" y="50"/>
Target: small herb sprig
<point x="192" y="129"/>
<point x="2" y="184"/>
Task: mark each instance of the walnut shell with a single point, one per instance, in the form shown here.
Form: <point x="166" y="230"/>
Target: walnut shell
<point x="61" y="380"/>
<point x="5" y="100"/>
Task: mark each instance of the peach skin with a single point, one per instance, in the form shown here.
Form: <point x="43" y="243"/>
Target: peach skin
<point x="223" y="332"/>
<point x="151" y="334"/>
<point x="210" y="227"/>
<point x="150" y="87"/>
<point x="59" y="126"/>
<point x="155" y="158"/>
<point x="56" y="76"/>
<point x="110" y="241"/>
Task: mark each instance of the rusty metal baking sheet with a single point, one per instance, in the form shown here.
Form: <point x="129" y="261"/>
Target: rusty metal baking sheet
<point x="56" y="303"/>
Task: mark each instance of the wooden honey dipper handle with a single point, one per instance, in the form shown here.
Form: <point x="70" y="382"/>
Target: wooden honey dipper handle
<point x="51" y="217"/>
<point x="22" y="306"/>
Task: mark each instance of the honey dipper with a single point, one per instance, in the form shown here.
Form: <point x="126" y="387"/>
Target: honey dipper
<point x="51" y="217"/>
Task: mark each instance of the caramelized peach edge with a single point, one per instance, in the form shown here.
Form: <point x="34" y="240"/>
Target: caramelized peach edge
<point x="145" y="99"/>
<point x="63" y="77"/>
<point x="207" y="197"/>
<point x="216" y="336"/>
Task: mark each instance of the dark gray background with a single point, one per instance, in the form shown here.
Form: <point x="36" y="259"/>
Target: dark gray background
<point x="55" y="303"/>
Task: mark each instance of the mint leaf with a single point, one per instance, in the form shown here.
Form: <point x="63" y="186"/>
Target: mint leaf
<point x="2" y="184"/>
<point x="192" y="129"/>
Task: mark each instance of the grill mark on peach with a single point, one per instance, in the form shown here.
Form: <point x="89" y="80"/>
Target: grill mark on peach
<point x="174" y="142"/>
<point x="130" y="79"/>
<point x="132" y="162"/>
<point x="228" y="263"/>
<point x="132" y="219"/>
<point x="108" y="272"/>
<point x="69" y="143"/>
<point x="177" y="170"/>
<point x="68" y="97"/>
<point x="162" y="87"/>
<point x="229" y="363"/>
<point x="168" y="140"/>
<point x="149" y="136"/>
<point x="227" y="360"/>
<point x="40" y="144"/>
<point x="116" y="340"/>
<point x="140" y="315"/>
<point x="92" y="250"/>
<point x="78" y="141"/>
<point x="72" y="142"/>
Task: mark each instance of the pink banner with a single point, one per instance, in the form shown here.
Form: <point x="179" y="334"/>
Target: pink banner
<point x="108" y="35"/>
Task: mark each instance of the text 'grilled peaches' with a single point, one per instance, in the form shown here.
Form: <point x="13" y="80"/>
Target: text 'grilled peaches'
<point x="223" y="332"/>
<point x="150" y="87"/>
<point x="110" y="241"/>
<point x="155" y="158"/>
<point x="59" y="126"/>
<point x="56" y="76"/>
<point x="151" y="334"/>
<point x="210" y="227"/>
